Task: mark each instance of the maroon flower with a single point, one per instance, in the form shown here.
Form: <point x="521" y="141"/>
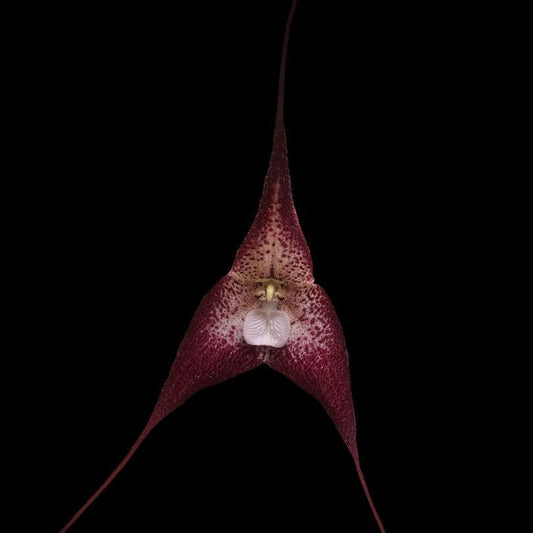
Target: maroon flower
<point x="266" y="310"/>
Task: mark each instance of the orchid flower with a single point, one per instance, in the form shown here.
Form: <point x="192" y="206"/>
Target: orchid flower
<point x="266" y="310"/>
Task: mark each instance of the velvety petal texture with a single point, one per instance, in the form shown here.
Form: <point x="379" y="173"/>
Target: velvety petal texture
<point x="213" y="349"/>
<point x="316" y="359"/>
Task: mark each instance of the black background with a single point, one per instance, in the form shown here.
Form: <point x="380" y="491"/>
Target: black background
<point x="142" y="140"/>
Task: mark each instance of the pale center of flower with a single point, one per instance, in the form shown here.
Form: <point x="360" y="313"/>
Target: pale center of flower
<point x="267" y="325"/>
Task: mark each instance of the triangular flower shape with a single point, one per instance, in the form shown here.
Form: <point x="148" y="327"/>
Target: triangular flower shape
<point x="266" y="310"/>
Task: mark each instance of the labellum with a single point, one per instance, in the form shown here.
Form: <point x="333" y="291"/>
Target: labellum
<point x="266" y="310"/>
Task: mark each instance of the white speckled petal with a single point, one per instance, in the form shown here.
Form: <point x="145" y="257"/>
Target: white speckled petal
<point x="265" y="327"/>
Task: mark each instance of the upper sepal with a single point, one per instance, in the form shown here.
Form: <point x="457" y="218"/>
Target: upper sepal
<point x="275" y="246"/>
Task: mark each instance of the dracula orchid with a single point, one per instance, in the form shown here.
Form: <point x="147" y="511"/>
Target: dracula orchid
<point x="266" y="310"/>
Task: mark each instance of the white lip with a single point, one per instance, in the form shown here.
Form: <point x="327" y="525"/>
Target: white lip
<point x="267" y="326"/>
